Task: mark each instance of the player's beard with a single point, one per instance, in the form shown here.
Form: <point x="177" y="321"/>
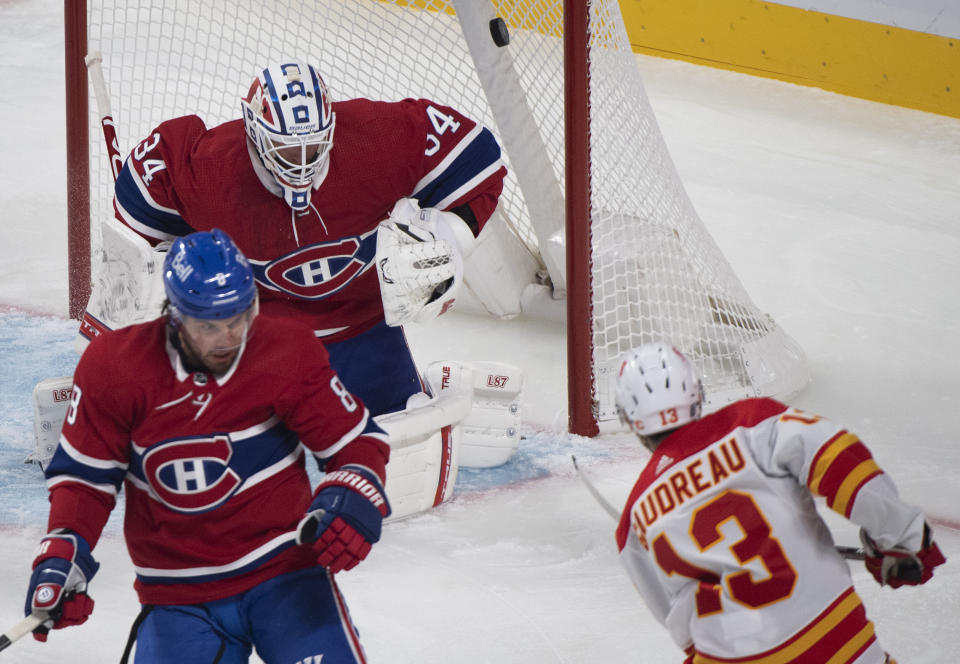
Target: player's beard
<point x="216" y="361"/>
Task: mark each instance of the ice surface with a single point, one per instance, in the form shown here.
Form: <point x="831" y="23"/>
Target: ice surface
<point x="840" y="217"/>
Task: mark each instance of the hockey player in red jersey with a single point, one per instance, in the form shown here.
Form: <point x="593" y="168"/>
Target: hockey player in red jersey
<point x="302" y="184"/>
<point x="721" y="535"/>
<point x="204" y="418"/>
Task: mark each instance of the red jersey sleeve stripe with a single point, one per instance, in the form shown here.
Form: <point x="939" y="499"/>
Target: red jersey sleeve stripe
<point x="825" y="459"/>
<point x="839" y="472"/>
<point x="843" y="498"/>
<point x="841" y="467"/>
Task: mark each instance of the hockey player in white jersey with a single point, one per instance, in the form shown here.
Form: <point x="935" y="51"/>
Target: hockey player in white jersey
<point x="721" y="534"/>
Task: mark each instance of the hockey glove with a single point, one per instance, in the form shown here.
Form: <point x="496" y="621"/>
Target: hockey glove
<point x="897" y="566"/>
<point x="58" y="585"/>
<point x="419" y="261"/>
<point x="344" y="519"/>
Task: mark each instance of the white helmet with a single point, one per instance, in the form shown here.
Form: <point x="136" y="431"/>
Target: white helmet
<point x="288" y="118"/>
<point x="658" y="389"/>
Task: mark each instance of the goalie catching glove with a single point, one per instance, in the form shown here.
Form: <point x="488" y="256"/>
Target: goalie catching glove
<point x="420" y="261"/>
<point x="898" y="566"/>
<point x="345" y="518"/>
<point x="58" y="585"/>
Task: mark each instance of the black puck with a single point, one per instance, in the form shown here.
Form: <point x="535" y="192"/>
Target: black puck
<point x="499" y="32"/>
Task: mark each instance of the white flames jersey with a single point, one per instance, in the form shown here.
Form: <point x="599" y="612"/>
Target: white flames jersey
<point x="721" y="536"/>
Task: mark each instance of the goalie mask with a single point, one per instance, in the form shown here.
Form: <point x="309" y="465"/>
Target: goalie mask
<point x="658" y="389"/>
<point x="288" y="118"/>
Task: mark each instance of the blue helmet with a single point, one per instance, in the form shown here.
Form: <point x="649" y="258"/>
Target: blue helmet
<point x="206" y="276"/>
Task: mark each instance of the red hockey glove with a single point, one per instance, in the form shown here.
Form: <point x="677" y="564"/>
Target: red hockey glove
<point x="898" y="567"/>
<point x="344" y="519"/>
<point x="58" y="585"/>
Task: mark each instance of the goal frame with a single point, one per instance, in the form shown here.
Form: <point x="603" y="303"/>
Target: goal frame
<point x="625" y="247"/>
<point x="581" y="414"/>
<point x="78" y="152"/>
<point x="582" y="419"/>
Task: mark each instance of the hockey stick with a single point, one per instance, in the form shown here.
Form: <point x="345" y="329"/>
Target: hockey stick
<point x="22" y="628"/>
<point x="848" y="552"/>
<point x="608" y="508"/>
<point x="851" y="552"/>
<point x="93" y="62"/>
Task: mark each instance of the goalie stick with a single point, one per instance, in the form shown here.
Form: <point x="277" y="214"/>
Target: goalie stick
<point x="848" y="552"/>
<point x="63" y="383"/>
<point x="93" y="61"/>
<point x="22" y="628"/>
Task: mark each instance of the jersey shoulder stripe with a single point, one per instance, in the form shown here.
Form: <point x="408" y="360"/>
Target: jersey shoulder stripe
<point x="474" y="155"/>
<point x="70" y="465"/>
<point x="141" y="212"/>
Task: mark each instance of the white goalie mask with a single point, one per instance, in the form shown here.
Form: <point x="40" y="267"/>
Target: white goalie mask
<point x="288" y="118"/>
<point x="658" y="389"/>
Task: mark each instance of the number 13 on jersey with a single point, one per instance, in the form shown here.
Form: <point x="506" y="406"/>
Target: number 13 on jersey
<point x="757" y="544"/>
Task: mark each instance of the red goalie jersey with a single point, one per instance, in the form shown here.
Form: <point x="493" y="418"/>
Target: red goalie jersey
<point x="212" y="467"/>
<point x="316" y="265"/>
<point x="721" y="536"/>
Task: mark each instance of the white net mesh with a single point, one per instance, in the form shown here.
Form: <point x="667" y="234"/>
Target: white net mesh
<point x="656" y="271"/>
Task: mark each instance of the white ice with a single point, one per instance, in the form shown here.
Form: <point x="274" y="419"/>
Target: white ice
<point x="839" y="215"/>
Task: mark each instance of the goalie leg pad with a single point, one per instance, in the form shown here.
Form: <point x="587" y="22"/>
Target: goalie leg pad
<point x="424" y="452"/>
<point x="51" y="399"/>
<point x="491" y="431"/>
<point x="127" y="284"/>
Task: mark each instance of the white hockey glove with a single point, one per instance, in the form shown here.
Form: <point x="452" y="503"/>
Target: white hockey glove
<point x="420" y="261"/>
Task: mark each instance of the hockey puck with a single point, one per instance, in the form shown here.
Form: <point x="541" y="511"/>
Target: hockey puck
<point x="499" y="32"/>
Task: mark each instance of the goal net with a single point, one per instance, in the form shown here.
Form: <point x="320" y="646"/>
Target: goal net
<point x="654" y="271"/>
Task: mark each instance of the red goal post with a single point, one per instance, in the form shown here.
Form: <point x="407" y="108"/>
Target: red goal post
<point x="592" y="193"/>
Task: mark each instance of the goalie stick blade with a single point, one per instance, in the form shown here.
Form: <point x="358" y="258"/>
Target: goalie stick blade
<point x="22" y="628"/>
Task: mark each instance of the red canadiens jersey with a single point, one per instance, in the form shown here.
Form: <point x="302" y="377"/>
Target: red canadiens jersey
<point x="212" y="467"/>
<point x="722" y="537"/>
<point x="318" y="265"/>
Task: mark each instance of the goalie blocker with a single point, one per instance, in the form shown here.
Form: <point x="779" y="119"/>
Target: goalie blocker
<point x="471" y="420"/>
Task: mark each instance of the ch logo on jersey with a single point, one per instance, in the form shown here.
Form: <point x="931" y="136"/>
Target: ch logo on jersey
<point x="319" y="270"/>
<point x="191" y="474"/>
